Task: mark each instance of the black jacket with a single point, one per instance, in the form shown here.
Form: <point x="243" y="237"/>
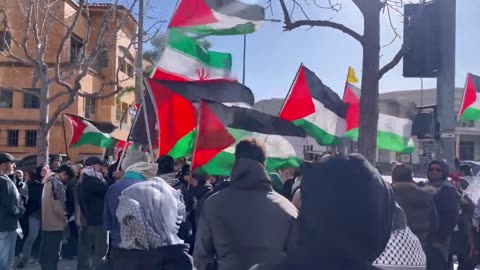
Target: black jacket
<point x="11" y="208"/>
<point x="34" y="205"/>
<point x="447" y="201"/>
<point x="91" y="196"/>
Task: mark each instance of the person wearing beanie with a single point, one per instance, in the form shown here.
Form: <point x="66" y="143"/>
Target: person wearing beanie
<point x="91" y="198"/>
<point x="345" y="219"/>
<point x="137" y="169"/>
<point x="447" y="201"/>
<point x="11" y="209"/>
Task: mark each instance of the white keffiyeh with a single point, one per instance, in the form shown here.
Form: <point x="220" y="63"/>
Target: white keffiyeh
<point x="149" y="214"/>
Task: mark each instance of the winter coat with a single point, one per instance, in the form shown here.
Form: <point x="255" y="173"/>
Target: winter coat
<point x="447" y="201"/>
<point x="53" y="204"/>
<point x="419" y="208"/>
<point x="91" y="198"/>
<point x="246" y="223"/>
<point x="34" y="205"/>
<point x="11" y="208"/>
<point x="345" y="218"/>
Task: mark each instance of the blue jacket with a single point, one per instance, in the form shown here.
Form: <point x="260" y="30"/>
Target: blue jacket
<point x="110" y="221"/>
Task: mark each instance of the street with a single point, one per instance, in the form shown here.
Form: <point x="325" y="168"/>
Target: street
<point x="63" y="265"/>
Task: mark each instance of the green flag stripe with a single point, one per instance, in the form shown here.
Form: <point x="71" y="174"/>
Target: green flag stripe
<point x="386" y="141"/>
<point x="95" y="138"/>
<point x="184" y="146"/>
<point x="471" y="113"/>
<point x="322" y="137"/>
<point x="189" y="46"/>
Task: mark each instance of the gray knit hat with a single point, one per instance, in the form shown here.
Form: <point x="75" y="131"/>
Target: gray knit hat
<point x="133" y="157"/>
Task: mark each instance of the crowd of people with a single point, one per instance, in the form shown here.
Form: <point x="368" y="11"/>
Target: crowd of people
<point x="335" y="213"/>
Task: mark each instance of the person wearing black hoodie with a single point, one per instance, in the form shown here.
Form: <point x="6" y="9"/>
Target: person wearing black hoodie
<point x="91" y="198"/>
<point x="343" y="224"/>
<point x="34" y="207"/>
<point x="447" y="201"/>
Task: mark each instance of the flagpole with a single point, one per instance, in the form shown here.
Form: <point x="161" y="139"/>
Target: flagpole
<point x="199" y="115"/>
<point x="65" y="136"/>
<point x="124" y="151"/>
<point x="344" y="91"/>
<point x="149" y="91"/>
<point x="145" y="116"/>
<point x="244" y="56"/>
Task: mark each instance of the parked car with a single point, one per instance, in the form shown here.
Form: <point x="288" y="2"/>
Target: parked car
<point x="474" y="164"/>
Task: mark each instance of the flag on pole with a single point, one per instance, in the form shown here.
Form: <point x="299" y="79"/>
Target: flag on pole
<point x="220" y="127"/>
<point x="314" y="107"/>
<point x="85" y="131"/>
<point x="351" y="78"/>
<point x="395" y="123"/>
<point x="470" y="109"/>
<point x="213" y="17"/>
<point x="173" y="103"/>
<point x="184" y="59"/>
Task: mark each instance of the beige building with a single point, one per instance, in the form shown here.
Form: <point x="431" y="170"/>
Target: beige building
<point x="467" y="132"/>
<point x="19" y="111"/>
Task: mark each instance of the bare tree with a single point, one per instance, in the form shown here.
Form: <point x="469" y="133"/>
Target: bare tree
<point x="39" y="39"/>
<point x="370" y="42"/>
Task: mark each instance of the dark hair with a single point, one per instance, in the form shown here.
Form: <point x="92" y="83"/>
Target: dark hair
<point x="38" y="172"/>
<point x="201" y="178"/>
<point x="251" y="149"/>
<point x="67" y="169"/>
<point x="166" y="164"/>
<point x="402" y="173"/>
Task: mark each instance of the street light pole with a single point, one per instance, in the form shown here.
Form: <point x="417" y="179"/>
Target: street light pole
<point x="139" y="55"/>
<point x="446" y="82"/>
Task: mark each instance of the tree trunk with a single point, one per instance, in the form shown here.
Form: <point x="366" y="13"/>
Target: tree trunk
<point x="44" y="129"/>
<point x="367" y="141"/>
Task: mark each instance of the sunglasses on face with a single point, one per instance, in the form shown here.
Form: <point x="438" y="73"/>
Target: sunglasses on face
<point x="433" y="169"/>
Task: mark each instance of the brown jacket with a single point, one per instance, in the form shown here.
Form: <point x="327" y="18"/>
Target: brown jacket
<point x="53" y="204"/>
<point x="246" y="223"/>
<point x="419" y="208"/>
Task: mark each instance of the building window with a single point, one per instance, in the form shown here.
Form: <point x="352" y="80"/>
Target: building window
<point x="467" y="150"/>
<point x="6" y="98"/>
<point x="101" y="61"/>
<point x="76" y="46"/>
<point x="30" y="138"/>
<point x="5" y="40"/>
<point x="121" y="109"/>
<point x="469" y="123"/>
<point x="30" y="100"/>
<point x="12" y="137"/>
<point x="89" y="106"/>
<point x="125" y="62"/>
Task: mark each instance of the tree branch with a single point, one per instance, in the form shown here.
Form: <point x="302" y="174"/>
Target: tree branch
<point x="325" y="23"/>
<point x="289" y="25"/>
<point x="396" y="59"/>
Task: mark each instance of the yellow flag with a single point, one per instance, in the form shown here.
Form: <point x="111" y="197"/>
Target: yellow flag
<point x="351" y="76"/>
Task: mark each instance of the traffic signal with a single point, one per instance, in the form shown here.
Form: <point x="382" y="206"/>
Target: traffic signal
<point x="422" y="33"/>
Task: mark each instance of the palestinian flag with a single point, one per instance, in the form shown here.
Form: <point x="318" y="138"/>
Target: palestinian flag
<point x="177" y="114"/>
<point x="470" y="109"/>
<point x="220" y="127"/>
<point x="395" y="123"/>
<point x="314" y="107"/>
<point x="217" y="17"/>
<point x="184" y="59"/>
<point x="85" y="131"/>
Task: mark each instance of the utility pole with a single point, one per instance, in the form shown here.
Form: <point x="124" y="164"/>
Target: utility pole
<point x="139" y="56"/>
<point x="446" y="82"/>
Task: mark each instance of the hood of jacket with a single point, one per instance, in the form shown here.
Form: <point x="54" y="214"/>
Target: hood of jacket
<point x="346" y="215"/>
<point x="249" y="174"/>
<point x="148" y="213"/>
<point x="442" y="165"/>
